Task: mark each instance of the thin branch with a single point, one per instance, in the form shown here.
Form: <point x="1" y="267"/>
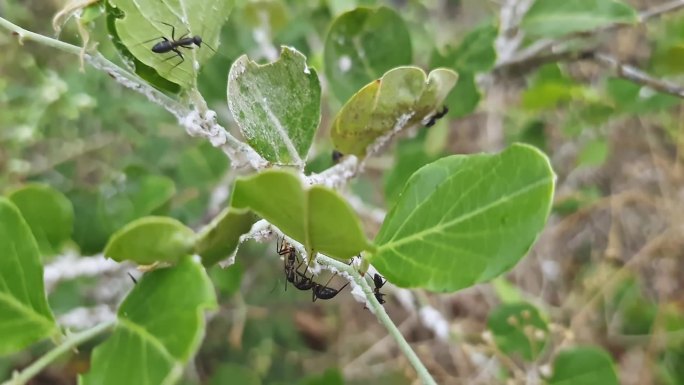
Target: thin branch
<point x="197" y="122"/>
<point x="528" y="58"/>
<point x="66" y="345"/>
<point x="381" y="315"/>
<point x="637" y="76"/>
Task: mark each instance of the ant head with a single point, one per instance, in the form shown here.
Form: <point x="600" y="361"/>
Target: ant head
<point x="198" y="42"/>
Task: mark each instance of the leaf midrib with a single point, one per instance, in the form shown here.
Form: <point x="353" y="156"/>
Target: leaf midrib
<point x="480" y="210"/>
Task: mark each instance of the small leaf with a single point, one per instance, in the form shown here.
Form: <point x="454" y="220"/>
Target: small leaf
<point x="552" y="18"/>
<point x="332" y="376"/>
<point x="227" y="280"/>
<point x="362" y="45"/>
<point x="276" y="105"/>
<point x="160" y="327"/>
<point x="90" y="230"/>
<point x="25" y="315"/>
<point x="149" y="240"/>
<point x="518" y="328"/>
<point x="317" y="217"/>
<point x="474" y="54"/>
<point x="583" y="366"/>
<point x="409" y="156"/>
<point x="464" y="98"/>
<point x="402" y="97"/>
<point x="144" y="71"/>
<point x="234" y="374"/>
<point x="548" y="87"/>
<point x="140" y="194"/>
<point x="220" y="238"/>
<point x="49" y="214"/>
<point x="142" y="21"/>
<point x="465" y="219"/>
<point x="594" y="153"/>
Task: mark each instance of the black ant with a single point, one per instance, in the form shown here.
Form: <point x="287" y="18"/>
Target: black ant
<point x="325" y="292"/>
<point x="169" y="45"/>
<point x="336" y="156"/>
<point x="438" y="115"/>
<point x="292" y="273"/>
<point x="379" y="283"/>
<point x="289" y="254"/>
<point x="299" y="279"/>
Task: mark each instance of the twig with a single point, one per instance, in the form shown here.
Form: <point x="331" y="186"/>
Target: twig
<point x="197" y="122"/>
<point x="67" y="344"/>
<point x="527" y="59"/>
<point x="382" y="316"/>
<point x="637" y="76"/>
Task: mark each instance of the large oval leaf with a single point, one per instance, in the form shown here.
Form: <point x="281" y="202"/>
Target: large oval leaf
<point x="553" y="18"/>
<point x="49" y="214"/>
<point x="362" y="45"/>
<point x="142" y="26"/>
<point x="25" y="317"/>
<point x="402" y="97"/>
<point x="160" y="327"/>
<point x="277" y="105"/>
<point x="149" y="240"/>
<point x="317" y="217"/>
<point x="583" y="366"/>
<point x="465" y="219"/>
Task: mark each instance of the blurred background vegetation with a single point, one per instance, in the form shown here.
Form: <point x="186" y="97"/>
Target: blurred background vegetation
<point x="608" y="270"/>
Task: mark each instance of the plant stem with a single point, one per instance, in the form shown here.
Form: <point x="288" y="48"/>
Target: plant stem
<point x="69" y="343"/>
<point x="382" y="316"/>
<point x="207" y="128"/>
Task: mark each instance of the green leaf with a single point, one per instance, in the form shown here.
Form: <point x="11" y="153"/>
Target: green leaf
<point x="518" y="328"/>
<point x="402" y="97"/>
<point x="583" y="366"/>
<point x="409" y="156"/>
<point x="142" y="21"/>
<point x="160" y="326"/>
<point x="317" y="217"/>
<point x="593" y="153"/>
<point x="331" y="376"/>
<point x="234" y="374"/>
<point x="227" y="280"/>
<point x="25" y="317"/>
<point x="465" y="219"/>
<point x="633" y="99"/>
<point x="464" y="97"/>
<point x="220" y="238"/>
<point x="144" y="71"/>
<point x="140" y="194"/>
<point x="553" y="18"/>
<point x="276" y="105"/>
<point x="549" y="87"/>
<point x="90" y="230"/>
<point x="149" y="240"/>
<point x="48" y="213"/>
<point x="362" y="45"/>
<point x="474" y="54"/>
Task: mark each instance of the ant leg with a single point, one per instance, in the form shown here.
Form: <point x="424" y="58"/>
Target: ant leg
<point x="173" y="30"/>
<point x="180" y="62"/>
<point x="313" y="293"/>
<point x="153" y="39"/>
